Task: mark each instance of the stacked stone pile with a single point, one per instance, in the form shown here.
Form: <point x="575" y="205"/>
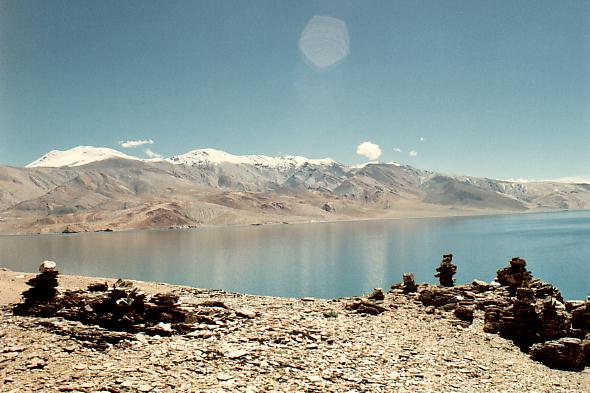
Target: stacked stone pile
<point x="446" y="271"/>
<point x="377" y="294"/>
<point x="119" y="308"/>
<point x="514" y="276"/>
<point x="409" y="284"/>
<point x="528" y="311"/>
<point x="519" y="322"/>
<point x="39" y="299"/>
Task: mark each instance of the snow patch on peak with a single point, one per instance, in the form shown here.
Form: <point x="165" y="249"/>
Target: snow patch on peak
<point x="210" y="157"/>
<point x="77" y="156"/>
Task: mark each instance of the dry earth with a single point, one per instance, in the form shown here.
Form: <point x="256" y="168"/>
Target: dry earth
<point x="288" y="345"/>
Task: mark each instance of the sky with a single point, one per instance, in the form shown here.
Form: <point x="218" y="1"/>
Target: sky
<point x="485" y="88"/>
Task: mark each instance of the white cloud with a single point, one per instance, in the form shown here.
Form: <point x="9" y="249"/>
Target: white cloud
<point x="152" y="154"/>
<point x="397" y="149"/>
<point x="131" y="144"/>
<point x="368" y="149"/>
<point x="422" y="139"/>
<point x="413" y="153"/>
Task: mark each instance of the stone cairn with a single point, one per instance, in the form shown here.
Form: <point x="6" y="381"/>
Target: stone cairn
<point x="409" y="283"/>
<point x="446" y="271"/>
<point x="39" y="299"/>
<point x="515" y="276"/>
<point x="518" y="307"/>
<point x="119" y="308"/>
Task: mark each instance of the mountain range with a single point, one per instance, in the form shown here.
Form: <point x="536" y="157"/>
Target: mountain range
<point x="90" y="189"/>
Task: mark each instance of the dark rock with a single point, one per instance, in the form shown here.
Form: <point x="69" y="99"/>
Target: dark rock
<point x="480" y="286"/>
<point x="438" y="297"/>
<point x="120" y="283"/>
<point x="98" y="287"/>
<point x="364" y="307"/>
<point x="520" y="322"/>
<point x="554" y="321"/>
<point x="213" y="303"/>
<point x="586" y="346"/>
<point x="328" y="208"/>
<point x="544" y="290"/>
<point x="564" y="354"/>
<point x="446" y="271"/>
<point x="464" y="312"/>
<point x="165" y="299"/>
<point x="581" y="316"/>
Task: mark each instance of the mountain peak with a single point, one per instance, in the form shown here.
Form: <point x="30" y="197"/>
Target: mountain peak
<point x="80" y="155"/>
<point x="209" y="157"/>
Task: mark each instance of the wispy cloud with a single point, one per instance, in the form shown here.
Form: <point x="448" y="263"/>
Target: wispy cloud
<point x="152" y="154"/>
<point x="397" y="149"/>
<point x="131" y="144"/>
<point x="413" y="153"/>
<point x="368" y="149"/>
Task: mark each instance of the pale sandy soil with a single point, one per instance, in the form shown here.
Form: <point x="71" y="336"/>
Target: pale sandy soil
<point x="288" y="346"/>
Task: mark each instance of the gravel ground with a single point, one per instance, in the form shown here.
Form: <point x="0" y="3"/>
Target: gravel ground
<point x="286" y="345"/>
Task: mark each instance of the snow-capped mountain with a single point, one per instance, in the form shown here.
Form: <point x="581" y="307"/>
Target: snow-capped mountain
<point x="83" y="155"/>
<point x="209" y="157"/>
<point x="77" y="156"/>
<point x="92" y="188"/>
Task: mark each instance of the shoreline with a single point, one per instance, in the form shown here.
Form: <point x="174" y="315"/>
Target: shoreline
<point x="289" y="344"/>
<point x="452" y="214"/>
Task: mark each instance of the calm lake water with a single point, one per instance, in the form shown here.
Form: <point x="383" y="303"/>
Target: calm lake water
<point x="323" y="260"/>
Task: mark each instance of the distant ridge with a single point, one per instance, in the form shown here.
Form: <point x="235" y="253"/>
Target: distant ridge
<point x="88" y="188"/>
<point x="83" y="155"/>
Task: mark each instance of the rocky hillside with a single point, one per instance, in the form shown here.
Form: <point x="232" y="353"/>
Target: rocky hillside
<point x="97" y="190"/>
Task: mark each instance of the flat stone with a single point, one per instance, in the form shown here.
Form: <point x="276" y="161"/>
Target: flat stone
<point x="47" y="266"/>
<point x="236" y="353"/>
<point x="224" y="376"/>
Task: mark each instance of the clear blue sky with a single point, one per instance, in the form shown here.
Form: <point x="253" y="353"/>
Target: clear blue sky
<point x="495" y="88"/>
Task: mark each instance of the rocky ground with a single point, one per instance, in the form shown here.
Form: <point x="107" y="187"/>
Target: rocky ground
<point x="258" y="344"/>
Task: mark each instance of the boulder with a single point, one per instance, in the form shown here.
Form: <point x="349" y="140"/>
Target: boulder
<point x="564" y="354"/>
<point x="438" y="297"/>
<point x="364" y="307"/>
<point x="464" y="312"/>
<point x="581" y="317"/>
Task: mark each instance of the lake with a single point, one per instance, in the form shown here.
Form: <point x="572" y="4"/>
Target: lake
<point x="325" y="260"/>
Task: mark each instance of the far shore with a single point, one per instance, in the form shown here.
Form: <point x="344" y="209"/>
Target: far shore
<point x="406" y="215"/>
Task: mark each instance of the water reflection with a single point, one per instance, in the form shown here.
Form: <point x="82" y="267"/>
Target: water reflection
<point x="325" y="260"/>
